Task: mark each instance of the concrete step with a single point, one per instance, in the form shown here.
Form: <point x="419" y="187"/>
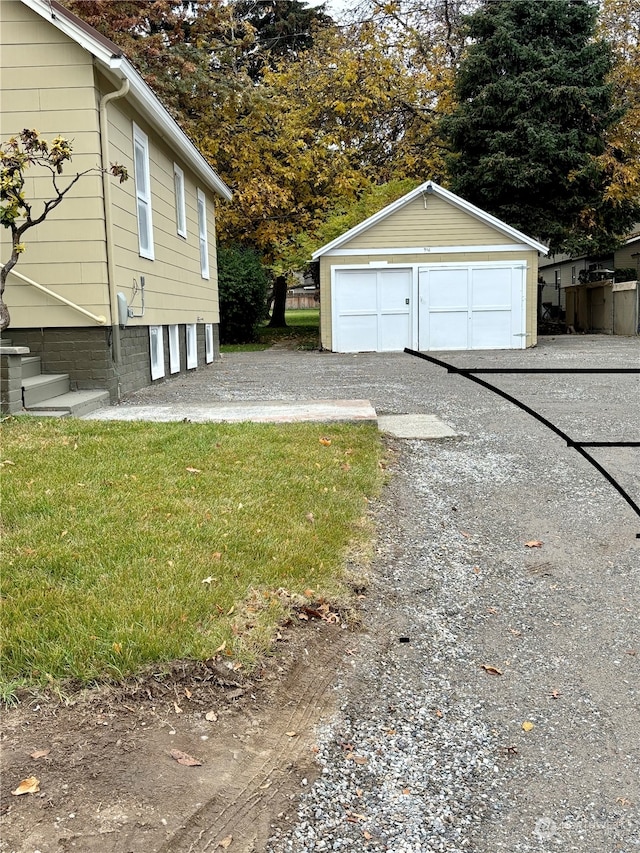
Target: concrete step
<point x="31" y="366"/>
<point x="35" y="389"/>
<point x="73" y="403"/>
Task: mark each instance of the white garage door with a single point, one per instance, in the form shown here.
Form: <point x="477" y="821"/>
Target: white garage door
<point x="472" y="306"/>
<point x="372" y="310"/>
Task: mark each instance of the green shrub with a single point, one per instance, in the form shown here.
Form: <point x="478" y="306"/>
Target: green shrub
<point x="242" y="288"/>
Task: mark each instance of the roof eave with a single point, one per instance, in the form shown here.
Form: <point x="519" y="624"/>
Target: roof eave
<point x="111" y="59"/>
<point x="429" y="187"/>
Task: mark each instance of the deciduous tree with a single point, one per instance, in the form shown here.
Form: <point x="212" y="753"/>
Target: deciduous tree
<point x="17" y="156"/>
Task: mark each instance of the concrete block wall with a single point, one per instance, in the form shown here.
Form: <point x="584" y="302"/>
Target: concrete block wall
<point x="85" y="354"/>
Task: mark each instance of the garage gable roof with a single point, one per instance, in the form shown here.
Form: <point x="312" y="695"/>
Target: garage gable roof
<point x="112" y="60"/>
<point x="430" y="187"/>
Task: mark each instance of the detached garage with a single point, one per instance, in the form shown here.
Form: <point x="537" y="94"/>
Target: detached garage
<point x="429" y="272"/>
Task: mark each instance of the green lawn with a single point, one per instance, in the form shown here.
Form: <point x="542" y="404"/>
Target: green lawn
<point x="126" y="544"/>
<point x="302" y="332"/>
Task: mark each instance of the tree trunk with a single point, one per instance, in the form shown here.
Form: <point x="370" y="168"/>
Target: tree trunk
<point x="277" y="320"/>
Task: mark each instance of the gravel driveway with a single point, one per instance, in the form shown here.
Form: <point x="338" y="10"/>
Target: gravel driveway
<point x="493" y="701"/>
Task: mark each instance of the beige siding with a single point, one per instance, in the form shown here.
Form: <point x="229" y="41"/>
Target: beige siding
<point x="47" y="83"/>
<point x="428" y="221"/>
<point x="625" y="256"/>
<point x="175" y="291"/>
<point x="326" y="264"/>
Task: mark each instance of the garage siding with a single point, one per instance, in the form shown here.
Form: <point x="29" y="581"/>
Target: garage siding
<point x="422" y="259"/>
<point x="437" y="224"/>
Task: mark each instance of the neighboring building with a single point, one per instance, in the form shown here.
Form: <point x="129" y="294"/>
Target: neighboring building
<point x="594" y="293"/>
<point x="431" y="272"/>
<point x="129" y="270"/>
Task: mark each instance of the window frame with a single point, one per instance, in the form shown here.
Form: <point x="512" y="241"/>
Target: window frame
<point x="174" y="349"/>
<point x="142" y="183"/>
<point x="181" y="207"/>
<point x="203" y="241"/>
<point x="208" y="342"/>
<point x="191" y="338"/>
<point x="157" y="364"/>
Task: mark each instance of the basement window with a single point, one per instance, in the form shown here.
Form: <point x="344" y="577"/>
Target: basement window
<point x="174" y="350"/>
<point x="208" y="340"/>
<point x="192" y="346"/>
<point x="156" y="347"/>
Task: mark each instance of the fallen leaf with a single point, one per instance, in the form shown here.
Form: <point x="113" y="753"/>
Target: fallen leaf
<point x="632" y="652"/>
<point x="31" y="785"/>
<point x="357" y="759"/>
<point x="40" y="753"/>
<point x="265" y="786"/>
<point x="310" y="517"/>
<point x="438" y="713"/>
<point x="325" y="441"/>
<point x="406" y="790"/>
<point x="555" y="694"/>
<point x="188" y="693"/>
<point x="217" y="555"/>
<point x="64" y="533"/>
<point x="185" y="759"/>
<point x="533" y="543"/>
<point x="466" y="535"/>
<point x="194" y="470"/>
<point x="309" y="593"/>
<point x="221" y="647"/>
<point x="177" y="707"/>
<point x="492" y="670"/>
<point x="291" y="734"/>
<point x="211" y="716"/>
<point x="230" y="611"/>
<point x="527" y="726"/>
<point x="117" y="648"/>
<point x="367" y="835"/>
<point x="303" y="616"/>
<point x="226" y="842"/>
<point x="207" y="580"/>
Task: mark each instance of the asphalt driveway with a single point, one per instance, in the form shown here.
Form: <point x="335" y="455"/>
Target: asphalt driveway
<point x="510" y="570"/>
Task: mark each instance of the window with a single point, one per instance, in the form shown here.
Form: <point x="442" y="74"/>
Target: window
<point x="208" y="341"/>
<point x="192" y="346"/>
<point x="156" y="346"/>
<point x="202" y="229"/>
<point x="174" y="350"/>
<point x="143" y="192"/>
<point x="181" y="212"/>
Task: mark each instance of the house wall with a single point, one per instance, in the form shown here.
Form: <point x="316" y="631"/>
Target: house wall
<point x="629" y="256"/>
<point x="175" y="291"/>
<point x="328" y="262"/>
<point x="47" y="83"/>
<point x="428" y="221"/>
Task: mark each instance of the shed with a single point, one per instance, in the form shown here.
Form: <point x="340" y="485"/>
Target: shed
<point x="431" y="272"/>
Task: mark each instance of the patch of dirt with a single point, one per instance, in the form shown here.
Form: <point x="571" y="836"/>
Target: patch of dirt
<point x="109" y="784"/>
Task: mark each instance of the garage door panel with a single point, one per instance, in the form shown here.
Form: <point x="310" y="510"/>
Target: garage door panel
<point x="446" y="330"/>
<point x="491" y="330"/>
<point x="447" y="289"/>
<point x="358" y="333"/>
<point x="491" y="288"/>
<point x="372" y="310"/>
<point x="394" y="332"/>
<point x="471" y="306"/>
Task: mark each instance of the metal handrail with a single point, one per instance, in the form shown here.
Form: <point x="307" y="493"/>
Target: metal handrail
<point x="100" y="319"/>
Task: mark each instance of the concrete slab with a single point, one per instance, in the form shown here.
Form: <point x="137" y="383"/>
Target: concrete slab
<point x="415" y="426"/>
<point x="257" y="411"/>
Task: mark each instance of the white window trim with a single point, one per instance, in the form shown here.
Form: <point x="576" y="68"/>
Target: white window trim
<point x="157" y="363"/>
<point x="143" y="192"/>
<point x="192" y="345"/>
<point x="181" y="209"/>
<point x="202" y="234"/>
<point x="174" y="350"/>
<point x="208" y="342"/>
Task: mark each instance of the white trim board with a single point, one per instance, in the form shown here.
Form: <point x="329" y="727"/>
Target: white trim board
<point x="426" y="250"/>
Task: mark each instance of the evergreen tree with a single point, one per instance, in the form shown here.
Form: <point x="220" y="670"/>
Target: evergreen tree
<point x="533" y="110"/>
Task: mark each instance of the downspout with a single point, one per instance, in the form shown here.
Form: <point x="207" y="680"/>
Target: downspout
<point x="108" y="220"/>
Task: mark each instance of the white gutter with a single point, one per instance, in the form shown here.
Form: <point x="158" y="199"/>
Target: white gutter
<point x="108" y="218"/>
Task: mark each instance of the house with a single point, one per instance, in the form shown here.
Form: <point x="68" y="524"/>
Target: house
<point x="595" y="293"/>
<point x="118" y="287"/>
<point x="431" y="272"/>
